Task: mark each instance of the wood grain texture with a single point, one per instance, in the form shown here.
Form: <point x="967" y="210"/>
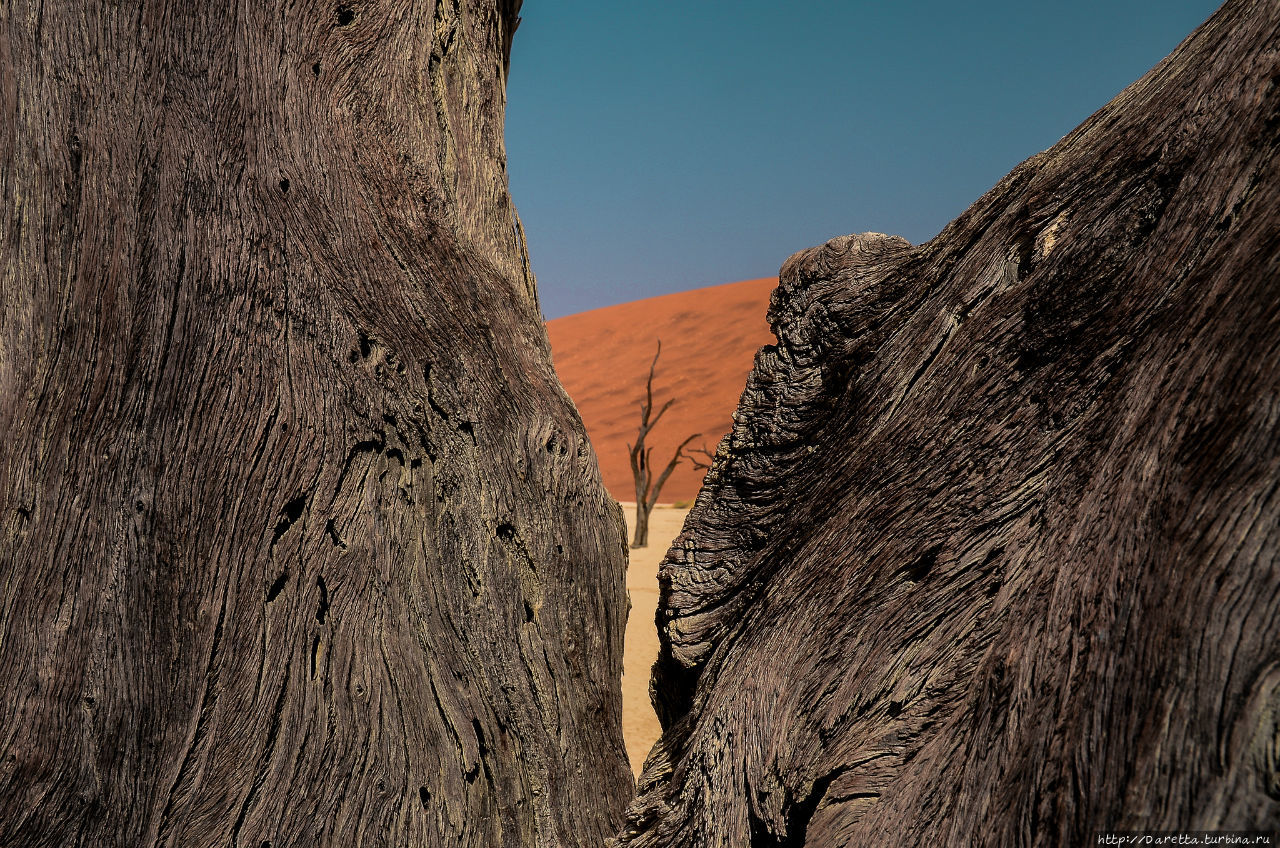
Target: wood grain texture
<point x="301" y="542"/>
<point x="991" y="555"/>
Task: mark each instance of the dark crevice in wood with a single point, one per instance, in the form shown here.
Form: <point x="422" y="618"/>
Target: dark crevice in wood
<point x="278" y="586"/>
<point x="801" y="811"/>
<point x="322" y="608"/>
<point x="289" y="514"/>
<point x="431" y="399"/>
<point x="332" y="530"/>
<point x="374" y="446"/>
<point x="920" y="567"/>
<point x="315" y="654"/>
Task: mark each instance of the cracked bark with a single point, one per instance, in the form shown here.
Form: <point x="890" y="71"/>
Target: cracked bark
<point x="300" y="540"/>
<point x="991" y="554"/>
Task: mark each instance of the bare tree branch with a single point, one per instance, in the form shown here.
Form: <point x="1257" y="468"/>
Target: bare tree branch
<point x="701" y="464"/>
<point x="647" y="488"/>
<point x="666" y="472"/>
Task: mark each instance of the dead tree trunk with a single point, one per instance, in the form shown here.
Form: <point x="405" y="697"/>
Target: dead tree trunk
<point x="647" y="486"/>
<point x="992" y="555"/>
<point x="302" y="542"/>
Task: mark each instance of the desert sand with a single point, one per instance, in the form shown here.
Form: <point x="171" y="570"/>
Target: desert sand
<point x="709" y="340"/>
<point x="639" y="724"/>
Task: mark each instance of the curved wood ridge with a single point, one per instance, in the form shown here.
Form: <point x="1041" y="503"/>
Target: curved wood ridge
<point x="991" y="554"/>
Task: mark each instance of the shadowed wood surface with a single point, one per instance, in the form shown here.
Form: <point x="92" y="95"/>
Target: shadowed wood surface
<point x="301" y="543"/>
<point x="990" y="556"/>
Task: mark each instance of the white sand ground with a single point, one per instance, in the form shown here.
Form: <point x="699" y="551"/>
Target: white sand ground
<point x="639" y="724"/>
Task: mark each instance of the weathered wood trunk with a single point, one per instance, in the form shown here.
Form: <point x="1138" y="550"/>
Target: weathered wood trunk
<point x="301" y="543"/>
<point x="640" y="538"/>
<point x="991" y="555"/>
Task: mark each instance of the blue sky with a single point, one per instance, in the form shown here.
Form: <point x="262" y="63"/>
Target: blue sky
<point x="658" y="146"/>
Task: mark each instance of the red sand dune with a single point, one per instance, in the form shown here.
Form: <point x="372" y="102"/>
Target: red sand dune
<point x="709" y="339"/>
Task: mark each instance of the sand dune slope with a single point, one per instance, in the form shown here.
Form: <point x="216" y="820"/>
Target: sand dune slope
<point x="709" y="338"/>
